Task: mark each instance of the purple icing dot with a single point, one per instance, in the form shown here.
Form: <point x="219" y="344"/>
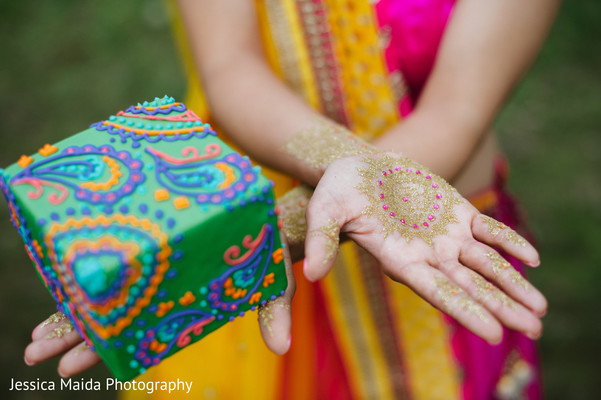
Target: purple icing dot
<point x="108" y="210"/>
<point x="178" y="238"/>
<point x="70" y="211"/>
<point x="124" y="209"/>
<point x="171" y="273"/>
<point x="170" y="223"/>
<point x="153" y="308"/>
<point x="112" y="140"/>
<point x="162" y="293"/>
<point x="271" y="213"/>
<point x="273" y="297"/>
<point x="54" y="217"/>
<point x="159" y="214"/>
<point x="178" y="255"/>
<point x="41" y="222"/>
<point x="282" y="292"/>
<point x="253" y="308"/>
<point x="143" y="208"/>
<point x="263" y="302"/>
<point x="242" y="203"/>
<point x="135" y="145"/>
<point x="86" y="211"/>
<point x="129" y="333"/>
<point x="253" y="199"/>
<point x="241" y="313"/>
<point x="231" y="318"/>
<point x="141" y="322"/>
<point x="269" y="201"/>
<point x="219" y="317"/>
<point x="230" y="208"/>
<point x="118" y="343"/>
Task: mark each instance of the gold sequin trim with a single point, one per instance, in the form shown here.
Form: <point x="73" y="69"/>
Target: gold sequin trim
<point x="293" y="206"/>
<point x="60" y="331"/>
<point x="324" y="142"/>
<point x="54" y="318"/>
<point x="332" y="232"/>
<point x="407" y="198"/>
<point x="453" y="297"/>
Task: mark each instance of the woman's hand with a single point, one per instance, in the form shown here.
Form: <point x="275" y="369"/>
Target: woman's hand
<point x="56" y="335"/>
<point x="426" y="236"/>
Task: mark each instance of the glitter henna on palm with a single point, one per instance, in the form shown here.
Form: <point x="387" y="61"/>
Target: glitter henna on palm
<point x="407" y="198"/>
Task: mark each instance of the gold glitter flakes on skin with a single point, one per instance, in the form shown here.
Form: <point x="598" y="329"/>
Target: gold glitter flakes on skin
<point x="60" y="331"/>
<point x="324" y="142"/>
<point x="499" y="264"/>
<point x="485" y="290"/>
<point x="81" y="348"/>
<point x="331" y="231"/>
<point x="292" y="207"/>
<point x="54" y="318"/>
<point x="266" y="313"/>
<point x="494" y="227"/>
<point x="513" y="238"/>
<point x="454" y="297"/>
<point x="407" y="198"/>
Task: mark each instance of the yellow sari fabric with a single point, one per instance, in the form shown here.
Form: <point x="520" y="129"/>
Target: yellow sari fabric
<point x="330" y="53"/>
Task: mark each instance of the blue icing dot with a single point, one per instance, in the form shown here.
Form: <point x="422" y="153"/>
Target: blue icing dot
<point x="203" y="290"/>
<point x="130" y="123"/>
<point x="149" y="126"/>
<point x="271" y="213"/>
<point x="153" y="308"/>
<point x="135" y="144"/>
<point x="162" y="293"/>
<point x="133" y="364"/>
<point x="139" y="334"/>
<point x="273" y="297"/>
<point x="170" y="223"/>
<point x="178" y="255"/>
<point x="54" y="217"/>
<point x="41" y="222"/>
<point x="143" y="208"/>
<point x="131" y="348"/>
<point x="179" y="125"/>
<point x="253" y="308"/>
<point x="171" y="273"/>
<point x="219" y="317"/>
<point x="139" y="125"/>
<point x="124" y="209"/>
<point x="214" y="312"/>
<point x="231" y="318"/>
<point x="112" y="118"/>
<point x="241" y="313"/>
<point x="118" y="343"/>
<point x="108" y="210"/>
<point x="112" y="140"/>
<point x="169" y="126"/>
<point x="129" y="333"/>
<point x="203" y="303"/>
<point x="141" y="322"/>
<point x="121" y="120"/>
<point x="159" y="214"/>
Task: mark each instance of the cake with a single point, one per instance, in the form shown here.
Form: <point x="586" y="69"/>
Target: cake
<point x="149" y="232"/>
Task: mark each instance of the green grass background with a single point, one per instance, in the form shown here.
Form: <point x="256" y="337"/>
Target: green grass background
<point x="65" y="64"/>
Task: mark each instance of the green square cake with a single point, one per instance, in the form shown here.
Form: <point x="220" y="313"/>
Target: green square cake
<point x="149" y="232"/>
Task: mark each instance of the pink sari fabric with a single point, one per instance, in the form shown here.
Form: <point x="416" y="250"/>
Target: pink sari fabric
<point x="414" y="29"/>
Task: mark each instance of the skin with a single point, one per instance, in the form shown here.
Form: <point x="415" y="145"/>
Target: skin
<point x="486" y="49"/>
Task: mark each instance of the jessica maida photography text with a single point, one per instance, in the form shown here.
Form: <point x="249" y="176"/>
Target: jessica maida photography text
<point x="72" y="384"/>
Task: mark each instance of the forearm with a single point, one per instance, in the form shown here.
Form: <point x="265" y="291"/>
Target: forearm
<point x="246" y="100"/>
<point x="487" y="47"/>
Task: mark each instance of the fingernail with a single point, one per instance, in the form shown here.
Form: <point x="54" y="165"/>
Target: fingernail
<point x="533" y="264"/>
<point x="29" y="363"/>
<point x="289" y="340"/>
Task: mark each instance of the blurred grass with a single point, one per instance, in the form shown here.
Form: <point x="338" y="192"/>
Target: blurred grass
<point x="66" y="64"/>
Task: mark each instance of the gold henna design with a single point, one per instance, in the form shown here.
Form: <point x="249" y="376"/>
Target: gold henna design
<point x="513" y="238"/>
<point x="499" y="264"/>
<point x="60" y="331"/>
<point x="266" y="312"/>
<point x="324" y="142"/>
<point x="494" y="227"/>
<point x="292" y="207"/>
<point x="54" y="318"/>
<point x="485" y="289"/>
<point x="453" y="297"/>
<point x="407" y="198"/>
<point x="332" y="232"/>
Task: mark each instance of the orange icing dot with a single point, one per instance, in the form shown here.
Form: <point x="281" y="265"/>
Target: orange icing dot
<point x="278" y="255"/>
<point x="181" y="202"/>
<point x="187" y="299"/>
<point x="24" y="161"/>
<point x="47" y="150"/>
<point x="268" y="280"/>
<point x="161" y="194"/>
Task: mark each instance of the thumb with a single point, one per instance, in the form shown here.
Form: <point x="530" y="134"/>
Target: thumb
<point x="275" y="319"/>
<point x="324" y="221"/>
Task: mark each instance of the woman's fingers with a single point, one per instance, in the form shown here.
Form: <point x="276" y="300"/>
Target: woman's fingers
<point x="495" y="233"/>
<point x="437" y="289"/>
<point x="275" y="319"/>
<point x="324" y="221"/>
<point x="50" y="341"/>
<point x="507" y="311"/>
<point x="491" y="265"/>
<point x="76" y="360"/>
